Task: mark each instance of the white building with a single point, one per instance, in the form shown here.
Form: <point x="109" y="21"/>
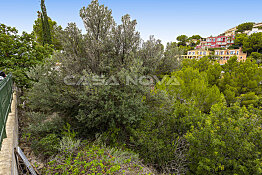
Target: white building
<point x="254" y="30"/>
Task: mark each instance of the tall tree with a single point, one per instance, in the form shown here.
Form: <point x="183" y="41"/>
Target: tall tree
<point x="47" y="39"/>
<point x="126" y="39"/>
<point x="99" y="24"/>
<point x="151" y="54"/>
<point x="54" y="29"/>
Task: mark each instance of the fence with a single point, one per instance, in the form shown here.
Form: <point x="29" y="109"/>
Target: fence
<point x="5" y="104"/>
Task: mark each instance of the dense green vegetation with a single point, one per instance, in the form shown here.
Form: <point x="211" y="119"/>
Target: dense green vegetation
<point x="54" y="29"/>
<point x="107" y="102"/>
<point x="252" y="45"/>
<point x="245" y="26"/>
<point x="46" y="32"/>
<point x="20" y="52"/>
<point x="97" y="160"/>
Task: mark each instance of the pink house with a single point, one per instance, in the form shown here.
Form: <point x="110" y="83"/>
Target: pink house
<point x="216" y="42"/>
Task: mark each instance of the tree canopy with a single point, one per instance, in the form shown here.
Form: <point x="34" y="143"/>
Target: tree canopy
<point x="55" y="31"/>
<point x="245" y="26"/>
<point x="19" y="53"/>
<point x="182" y="40"/>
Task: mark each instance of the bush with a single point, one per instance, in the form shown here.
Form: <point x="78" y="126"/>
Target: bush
<point x="43" y="124"/>
<point x="69" y="145"/>
<point x="160" y="140"/>
<point x="227" y="142"/>
<point x="47" y="146"/>
<point x="95" y="160"/>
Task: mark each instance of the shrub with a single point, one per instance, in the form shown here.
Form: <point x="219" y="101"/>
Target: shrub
<point x="227" y="142"/>
<point x="94" y="160"/>
<point x="159" y="139"/>
<point x="47" y="146"/>
<point x="43" y="124"/>
<point x="69" y="145"/>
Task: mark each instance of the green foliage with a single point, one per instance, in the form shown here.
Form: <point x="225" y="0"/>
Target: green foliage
<point x="171" y="60"/>
<point x="46" y="32"/>
<point x="240" y="78"/>
<point x="207" y="122"/>
<point x="198" y="37"/>
<point x="107" y="50"/>
<point x="185" y="48"/>
<point x="182" y="40"/>
<point x="69" y="145"/>
<point x="42" y="124"/>
<point x="159" y="140"/>
<point x="116" y="106"/>
<point x="152" y="54"/>
<point x="240" y="39"/>
<point x="95" y="160"/>
<point x="249" y="99"/>
<point x="54" y="29"/>
<point x="252" y="43"/>
<point x="227" y="142"/>
<point x="256" y="56"/>
<point x="43" y="133"/>
<point x="194" y="88"/>
<point x="194" y="40"/>
<point x="255" y="43"/>
<point x="19" y="53"/>
<point x="46" y="146"/>
<point x="245" y="26"/>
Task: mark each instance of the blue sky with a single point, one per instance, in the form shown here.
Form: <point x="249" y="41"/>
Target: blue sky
<point x="166" y="19"/>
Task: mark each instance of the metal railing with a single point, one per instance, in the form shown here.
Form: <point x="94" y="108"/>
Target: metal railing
<point x="5" y="104"/>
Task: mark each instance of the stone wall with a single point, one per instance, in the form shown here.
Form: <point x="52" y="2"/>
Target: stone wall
<point x="7" y="158"/>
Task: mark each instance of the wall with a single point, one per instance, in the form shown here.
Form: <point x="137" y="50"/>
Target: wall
<point x="7" y="158"/>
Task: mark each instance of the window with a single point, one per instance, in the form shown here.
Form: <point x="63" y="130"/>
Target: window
<point x="193" y="53"/>
<point x="237" y="52"/>
<point x="204" y="53"/>
<point x="214" y="40"/>
<point x="200" y="53"/>
<point x="189" y="53"/>
<point x="221" y="53"/>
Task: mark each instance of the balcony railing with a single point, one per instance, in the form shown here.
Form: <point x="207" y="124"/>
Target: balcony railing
<point x="5" y="104"/>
